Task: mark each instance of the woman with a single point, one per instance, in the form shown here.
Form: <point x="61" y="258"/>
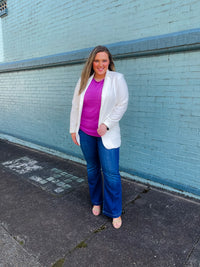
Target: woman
<point x="99" y="102"/>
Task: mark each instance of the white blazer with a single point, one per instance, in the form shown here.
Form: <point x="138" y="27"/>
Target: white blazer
<point x="114" y="102"/>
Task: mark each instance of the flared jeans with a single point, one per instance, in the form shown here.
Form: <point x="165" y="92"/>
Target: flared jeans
<point x="106" y="192"/>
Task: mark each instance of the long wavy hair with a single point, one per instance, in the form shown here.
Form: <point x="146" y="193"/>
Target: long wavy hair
<point x="88" y="68"/>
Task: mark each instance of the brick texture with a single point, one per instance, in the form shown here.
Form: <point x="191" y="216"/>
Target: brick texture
<point x="161" y="128"/>
<point x="38" y="28"/>
<point x="160" y="131"/>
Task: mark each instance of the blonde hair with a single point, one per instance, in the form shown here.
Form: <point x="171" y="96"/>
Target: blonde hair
<point x="88" y="68"/>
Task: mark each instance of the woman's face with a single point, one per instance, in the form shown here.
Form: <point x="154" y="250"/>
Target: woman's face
<point x="100" y="65"/>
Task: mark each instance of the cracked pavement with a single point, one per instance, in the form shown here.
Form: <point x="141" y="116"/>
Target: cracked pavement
<point x="39" y="227"/>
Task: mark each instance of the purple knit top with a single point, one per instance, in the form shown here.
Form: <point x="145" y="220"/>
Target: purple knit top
<point x="91" y="108"/>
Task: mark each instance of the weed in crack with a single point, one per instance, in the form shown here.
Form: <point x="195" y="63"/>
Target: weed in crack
<point x="146" y="190"/>
<point x="103" y="227"/>
<point x="81" y="245"/>
<point x="20" y="241"/>
<point x="59" y="263"/>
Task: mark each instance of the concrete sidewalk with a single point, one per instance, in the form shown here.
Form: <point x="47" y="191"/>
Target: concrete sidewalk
<point x="46" y="219"/>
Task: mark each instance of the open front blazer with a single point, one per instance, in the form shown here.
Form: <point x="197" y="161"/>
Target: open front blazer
<point x="114" y="102"/>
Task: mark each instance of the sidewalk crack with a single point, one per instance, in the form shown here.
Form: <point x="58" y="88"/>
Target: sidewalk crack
<point x="138" y="196"/>
<point x="80" y="245"/>
<point x="191" y="251"/>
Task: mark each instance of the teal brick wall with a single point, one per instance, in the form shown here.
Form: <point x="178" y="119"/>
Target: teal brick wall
<point x="160" y="130"/>
<point x="162" y="126"/>
<point x="38" y="28"/>
<point x="35" y="105"/>
<point x="1" y="43"/>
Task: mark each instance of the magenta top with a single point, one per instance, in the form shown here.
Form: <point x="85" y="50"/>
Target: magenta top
<point x="91" y="108"/>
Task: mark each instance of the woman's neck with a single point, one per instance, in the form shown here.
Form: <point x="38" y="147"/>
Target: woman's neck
<point x="99" y="78"/>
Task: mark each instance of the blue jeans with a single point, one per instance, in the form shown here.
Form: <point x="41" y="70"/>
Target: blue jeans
<point x="106" y="192"/>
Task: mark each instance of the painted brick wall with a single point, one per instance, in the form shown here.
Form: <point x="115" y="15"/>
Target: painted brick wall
<point x="38" y="28"/>
<point x="35" y="105"/>
<point x="1" y="43"/>
<point x="160" y="130"/>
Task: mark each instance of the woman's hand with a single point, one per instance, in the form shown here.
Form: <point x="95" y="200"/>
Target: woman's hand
<point x="102" y="129"/>
<point x="73" y="135"/>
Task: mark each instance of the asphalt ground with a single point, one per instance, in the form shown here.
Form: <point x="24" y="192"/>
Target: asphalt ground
<point x="46" y="218"/>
